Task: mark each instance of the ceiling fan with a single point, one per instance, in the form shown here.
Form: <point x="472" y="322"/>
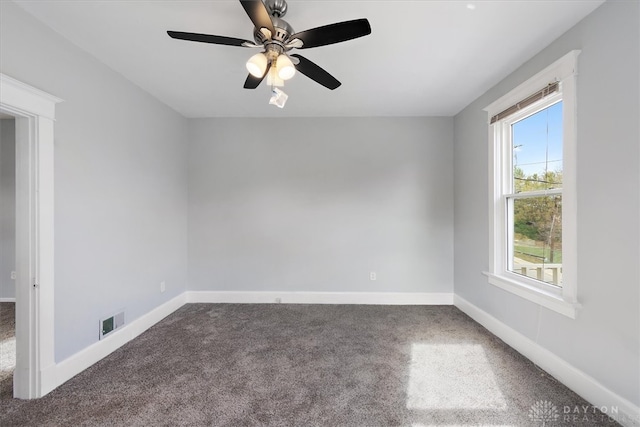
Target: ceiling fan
<point x="276" y="37"/>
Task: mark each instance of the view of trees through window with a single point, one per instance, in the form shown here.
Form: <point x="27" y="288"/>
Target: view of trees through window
<point x="536" y="236"/>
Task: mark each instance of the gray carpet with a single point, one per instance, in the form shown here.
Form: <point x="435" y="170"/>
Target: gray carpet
<point x="307" y="365"/>
<point x="7" y="346"/>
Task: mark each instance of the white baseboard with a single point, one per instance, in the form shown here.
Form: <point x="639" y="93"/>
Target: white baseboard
<point x="56" y="375"/>
<point x="7" y="300"/>
<point x="371" y="298"/>
<point x="581" y="383"/>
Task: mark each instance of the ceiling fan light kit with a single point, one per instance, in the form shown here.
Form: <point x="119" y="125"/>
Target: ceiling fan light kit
<point x="285" y="67"/>
<point x="276" y="37"/>
<point x="274" y="79"/>
<point x="257" y="64"/>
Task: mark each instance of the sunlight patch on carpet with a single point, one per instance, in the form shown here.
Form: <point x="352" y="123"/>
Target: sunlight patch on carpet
<point x="452" y="376"/>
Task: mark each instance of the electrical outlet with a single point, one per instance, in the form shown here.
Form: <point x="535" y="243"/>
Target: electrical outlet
<point x="373" y="275"/>
<point x="278" y="300"/>
<point x="162" y="286"/>
<point x="13" y="275"/>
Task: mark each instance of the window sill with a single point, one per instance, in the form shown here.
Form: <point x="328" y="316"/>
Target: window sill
<point x="547" y="299"/>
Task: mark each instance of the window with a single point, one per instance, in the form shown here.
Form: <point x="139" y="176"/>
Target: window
<point x="533" y="197"/>
<point x="533" y="189"/>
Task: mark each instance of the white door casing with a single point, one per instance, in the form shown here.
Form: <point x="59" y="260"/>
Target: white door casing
<point x="34" y="111"/>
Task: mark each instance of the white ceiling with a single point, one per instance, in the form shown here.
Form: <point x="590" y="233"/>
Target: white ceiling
<point x="423" y="58"/>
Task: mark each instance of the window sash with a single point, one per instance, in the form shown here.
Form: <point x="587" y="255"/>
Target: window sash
<point x="509" y="201"/>
<point x="507" y="190"/>
<point x="529" y="194"/>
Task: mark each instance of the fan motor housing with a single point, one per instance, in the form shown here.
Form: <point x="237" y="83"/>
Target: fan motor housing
<point x="282" y="32"/>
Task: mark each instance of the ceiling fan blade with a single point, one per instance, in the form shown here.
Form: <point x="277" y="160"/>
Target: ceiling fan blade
<point x="208" y="38"/>
<point x="333" y="33"/>
<point x="258" y="13"/>
<point x="316" y="73"/>
<point x="253" y="82"/>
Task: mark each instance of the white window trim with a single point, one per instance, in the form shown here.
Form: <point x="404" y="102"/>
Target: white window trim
<point x="562" y="300"/>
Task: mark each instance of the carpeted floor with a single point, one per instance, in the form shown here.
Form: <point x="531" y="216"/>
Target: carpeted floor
<point x="307" y="365"/>
<point x="7" y="347"/>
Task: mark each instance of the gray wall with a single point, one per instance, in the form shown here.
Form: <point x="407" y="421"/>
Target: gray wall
<point x="7" y="207"/>
<point x="120" y="183"/>
<point x="316" y="204"/>
<point x="604" y="340"/>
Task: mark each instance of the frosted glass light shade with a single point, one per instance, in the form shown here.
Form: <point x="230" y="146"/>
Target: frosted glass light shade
<point x="285" y="67"/>
<point x="273" y="79"/>
<point x="257" y="64"/>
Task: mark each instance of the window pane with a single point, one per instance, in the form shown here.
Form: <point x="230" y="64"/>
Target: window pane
<point x="537" y="150"/>
<point x="536" y="238"/>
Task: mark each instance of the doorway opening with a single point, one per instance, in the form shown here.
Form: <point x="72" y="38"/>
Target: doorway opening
<point x="7" y="253"/>
<point x="7" y="347"/>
